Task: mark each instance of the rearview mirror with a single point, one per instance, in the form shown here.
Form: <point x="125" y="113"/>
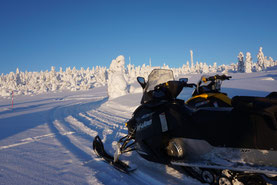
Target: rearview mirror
<point x="141" y="81"/>
<point x="185" y="80"/>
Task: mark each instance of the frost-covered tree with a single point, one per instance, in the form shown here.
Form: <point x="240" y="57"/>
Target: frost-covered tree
<point x="261" y="60"/>
<point x="192" y="68"/>
<point x="101" y="76"/>
<point x="271" y="62"/>
<point x="117" y="84"/>
<point x="205" y="68"/>
<point x="40" y="82"/>
<point x="17" y="77"/>
<point x="197" y="67"/>
<point x="188" y="66"/>
<point x="25" y="83"/>
<point x="240" y="62"/>
<point x="131" y="73"/>
<point x="213" y="69"/>
<point x="248" y="63"/>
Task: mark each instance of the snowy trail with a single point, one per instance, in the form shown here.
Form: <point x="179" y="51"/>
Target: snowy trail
<point x="46" y="139"/>
<point x="51" y="138"/>
<point x="86" y="121"/>
<point x="39" y="144"/>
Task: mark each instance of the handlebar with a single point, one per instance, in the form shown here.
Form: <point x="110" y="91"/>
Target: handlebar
<point x="177" y="83"/>
<point x="215" y="77"/>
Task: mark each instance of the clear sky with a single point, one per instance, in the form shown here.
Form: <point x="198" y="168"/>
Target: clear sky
<point x="38" y="34"/>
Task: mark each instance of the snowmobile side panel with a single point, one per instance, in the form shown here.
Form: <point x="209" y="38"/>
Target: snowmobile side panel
<point x="254" y="161"/>
<point x="201" y="151"/>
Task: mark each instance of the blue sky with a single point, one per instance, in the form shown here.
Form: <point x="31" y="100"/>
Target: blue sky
<point x="38" y="34"/>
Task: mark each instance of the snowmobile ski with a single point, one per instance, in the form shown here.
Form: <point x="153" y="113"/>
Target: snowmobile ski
<point x="98" y="147"/>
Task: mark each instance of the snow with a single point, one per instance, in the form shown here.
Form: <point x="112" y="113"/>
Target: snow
<point x="248" y="63"/>
<point x="117" y="84"/>
<point x="240" y="62"/>
<point x="118" y="79"/>
<point x="46" y="138"/>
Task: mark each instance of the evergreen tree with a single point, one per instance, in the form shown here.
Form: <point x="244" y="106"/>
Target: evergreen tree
<point x="248" y="63"/>
<point x="240" y="62"/>
<point x="261" y="60"/>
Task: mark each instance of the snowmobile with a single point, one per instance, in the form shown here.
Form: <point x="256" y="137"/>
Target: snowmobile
<point x="207" y="92"/>
<point x="217" y="145"/>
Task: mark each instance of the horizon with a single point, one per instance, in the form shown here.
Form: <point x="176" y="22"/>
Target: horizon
<point x="37" y="35"/>
<point x="127" y="62"/>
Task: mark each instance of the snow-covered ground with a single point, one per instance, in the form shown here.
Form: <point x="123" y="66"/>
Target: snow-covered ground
<point x="47" y="138"/>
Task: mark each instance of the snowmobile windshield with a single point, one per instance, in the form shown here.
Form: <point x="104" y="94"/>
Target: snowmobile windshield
<point x="158" y="76"/>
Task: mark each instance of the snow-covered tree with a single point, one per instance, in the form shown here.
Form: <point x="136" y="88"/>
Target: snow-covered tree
<point x="271" y="62"/>
<point x="213" y="69"/>
<point x="197" y="67"/>
<point x="25" y="83"/>
<point x="240" y="62"/>
<point x="205" y="68"/>
<point x="248" y="63"/>
<point x="101" y="76"/>
<point x="188" y="68"/>
<point x="261" y="60"/>
<point x="117" y="84"/>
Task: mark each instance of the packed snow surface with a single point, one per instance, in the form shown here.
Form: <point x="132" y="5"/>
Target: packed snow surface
<point x="47" y="138"/>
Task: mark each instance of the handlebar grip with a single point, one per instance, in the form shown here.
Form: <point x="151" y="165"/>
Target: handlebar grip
<point x="220" y="77"/>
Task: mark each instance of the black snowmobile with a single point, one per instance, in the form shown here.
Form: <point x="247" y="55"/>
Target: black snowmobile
<point x="207" y="92"/>
<point x="214" y="144"/>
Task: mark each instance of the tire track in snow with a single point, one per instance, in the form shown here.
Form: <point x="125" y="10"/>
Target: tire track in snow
<point x="109" y="116"/>
<point x="109" y="125"/>
<point x="77" y="117"/>
<point x="85" y="128"/>
<point x="33" y="139"/>
<point x="79" y="126"/>
<point x="70" y="142"/>
<point x="64" y="121"/>
<point x="78" y="143"/>
<point x="87" y="121"/>
<point x="84" y="124"/>
<point x="112" y="123"/>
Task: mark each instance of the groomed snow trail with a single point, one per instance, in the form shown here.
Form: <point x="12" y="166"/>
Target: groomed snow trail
<point x="52" y="141"/>
<point x="106" y="119"/>
<point x="47" y="138"/>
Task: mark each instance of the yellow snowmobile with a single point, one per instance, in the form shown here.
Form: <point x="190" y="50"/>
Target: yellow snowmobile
<point x="207" y="92"/>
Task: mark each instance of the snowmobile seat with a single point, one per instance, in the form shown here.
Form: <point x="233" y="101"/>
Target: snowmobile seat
<point x="264" y="106"/>
<point x="211" y="114"/>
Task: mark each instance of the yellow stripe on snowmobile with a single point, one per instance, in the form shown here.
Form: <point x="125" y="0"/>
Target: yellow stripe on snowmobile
<point x="223" y="97"/>
<point x="205" y="96"/>
<point x="220" y="96"/>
